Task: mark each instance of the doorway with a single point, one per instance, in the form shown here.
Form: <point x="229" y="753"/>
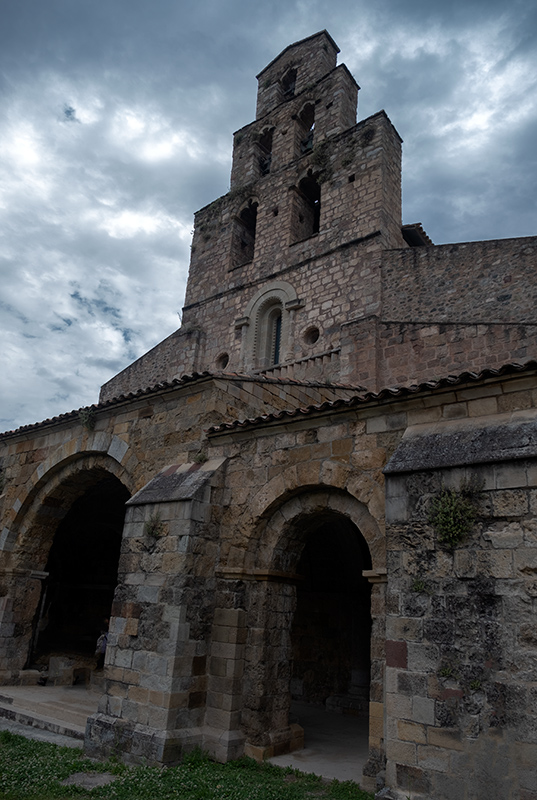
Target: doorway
<point x="331" y="628"/>
<point x="82" y="567"/>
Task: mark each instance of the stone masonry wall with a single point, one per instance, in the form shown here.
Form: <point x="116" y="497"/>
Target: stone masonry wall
<point x="465" y="283"/>
<point x="378" y="354"/>
<point x="461" y="649"/>
<point x="312" y="58"/>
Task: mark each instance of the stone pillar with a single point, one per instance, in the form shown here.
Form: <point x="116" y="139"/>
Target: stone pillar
<point x="373" y="771"/>
<point x="266" y="694"/>
<point x="224" y="739"/>
<point x="21" y="590"/>
<point x="153" y="708"/>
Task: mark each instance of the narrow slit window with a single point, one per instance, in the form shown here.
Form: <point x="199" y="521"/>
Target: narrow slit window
<point x="276" y="336"/>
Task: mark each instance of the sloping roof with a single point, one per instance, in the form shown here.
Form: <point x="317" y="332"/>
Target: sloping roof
<point x="324" y="32"/>
<point x="329" y="405"/>
<point x="373" y="397"/>
<point x="415" y="235"/>
<point x="163" y="386"/>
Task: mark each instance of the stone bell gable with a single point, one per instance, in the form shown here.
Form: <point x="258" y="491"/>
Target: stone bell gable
<point x="303" y="270"/>
<point x="291" y="252"/>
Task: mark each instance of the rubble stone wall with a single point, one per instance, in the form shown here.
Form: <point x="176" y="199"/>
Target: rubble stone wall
<point x="460" y="636"/>
<point x="379" y="354"/>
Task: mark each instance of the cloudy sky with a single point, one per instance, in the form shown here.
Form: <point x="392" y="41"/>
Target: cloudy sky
<point x="116" y="121"/>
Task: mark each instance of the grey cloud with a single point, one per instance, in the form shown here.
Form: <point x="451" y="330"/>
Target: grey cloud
<point x="94" y="226"/>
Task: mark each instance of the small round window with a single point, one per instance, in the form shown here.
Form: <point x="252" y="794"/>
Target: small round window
<point x="222" y="361"/>
<point x="311" y="335"/>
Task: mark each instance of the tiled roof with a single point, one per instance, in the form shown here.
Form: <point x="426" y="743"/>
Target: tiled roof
<point x="328" y="405"/>
<point x="415" y="235"/>
<point x="170" y="385"/>
<point x="372" y="397"/>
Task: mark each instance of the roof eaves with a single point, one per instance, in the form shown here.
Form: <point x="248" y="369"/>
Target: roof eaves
<point x="375" y="397"/>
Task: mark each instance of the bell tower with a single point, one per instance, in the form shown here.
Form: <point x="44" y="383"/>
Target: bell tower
<point x="278" y="264"/>
<point x="290" y="254"/>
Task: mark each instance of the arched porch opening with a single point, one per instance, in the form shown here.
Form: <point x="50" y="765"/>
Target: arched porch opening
<point x="331" y="628"/>
<point x="309" y="623"/>
<point x="80" y="570"/>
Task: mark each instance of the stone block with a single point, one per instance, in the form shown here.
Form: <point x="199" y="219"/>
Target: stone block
<point x="510" y="476"/>
<point x="157" y="718"/>
<point x="422" y="657"/>
<point x="413" y="779"/>
<point x="510" y="503"/>
<point x="404" y="628"/>
<point x="526" y="560"/>
<point x="423" y="710"/>
<point x="399" y="706"/>
<point x="396" y="654"/>
<point x="447" y="738"/>
<point x="411" y="732"/>
<point x="401" y="752"/>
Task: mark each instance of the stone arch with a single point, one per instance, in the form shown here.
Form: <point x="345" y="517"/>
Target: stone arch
<point x="275" y="548"/>
<point x="73" y="455"/>
<point x="346" y="490"/>
<point x="84" y="467"/>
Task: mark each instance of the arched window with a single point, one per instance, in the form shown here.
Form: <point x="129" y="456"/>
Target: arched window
<point x="288" y="83"/>
<point x="274" y="336"/>
<point x="266" y="326"/>
<point x="243" y="245"/>
<point x="306" y="128"/>
<point x="307" y="208"/>
<point x="265" y="151"/>
<point x="268" y="334"/>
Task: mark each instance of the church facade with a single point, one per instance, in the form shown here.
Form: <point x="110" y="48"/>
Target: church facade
<point x="322" y="488"/>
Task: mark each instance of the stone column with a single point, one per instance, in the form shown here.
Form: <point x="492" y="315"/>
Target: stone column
<point x="21" y="590"/>
<point x="375" y="764"/>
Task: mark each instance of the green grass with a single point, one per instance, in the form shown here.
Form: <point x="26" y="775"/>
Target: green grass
<point x="31" y="770"/>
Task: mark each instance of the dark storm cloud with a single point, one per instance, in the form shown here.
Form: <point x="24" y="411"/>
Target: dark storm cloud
<point x="116" y="122"/>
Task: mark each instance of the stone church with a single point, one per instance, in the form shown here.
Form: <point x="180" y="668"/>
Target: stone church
<point x="321" y="488"/>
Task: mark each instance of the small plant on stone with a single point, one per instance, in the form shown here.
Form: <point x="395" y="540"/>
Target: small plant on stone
<point x="2" y="479"/>
<point x="447" y="672"/>
<point x="419" y="585"/>
<point x="154" y="527"/>
<point x="200" y="457"/>
<point x="87" y="418"/>
<point x="475" y="686"/>
<point x="453" y="513"/>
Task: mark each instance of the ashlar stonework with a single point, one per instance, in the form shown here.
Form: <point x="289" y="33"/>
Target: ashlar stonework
<point x="251" y="503"/>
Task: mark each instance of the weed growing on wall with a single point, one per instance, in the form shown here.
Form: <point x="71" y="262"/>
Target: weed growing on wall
<point x="154" y="527"/>
<point x="453" y="513"/>
<point x="87" y="417"/>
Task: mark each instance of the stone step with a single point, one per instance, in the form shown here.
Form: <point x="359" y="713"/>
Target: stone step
<point x="39" y="720"/>
<point x="62" y="710"/>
